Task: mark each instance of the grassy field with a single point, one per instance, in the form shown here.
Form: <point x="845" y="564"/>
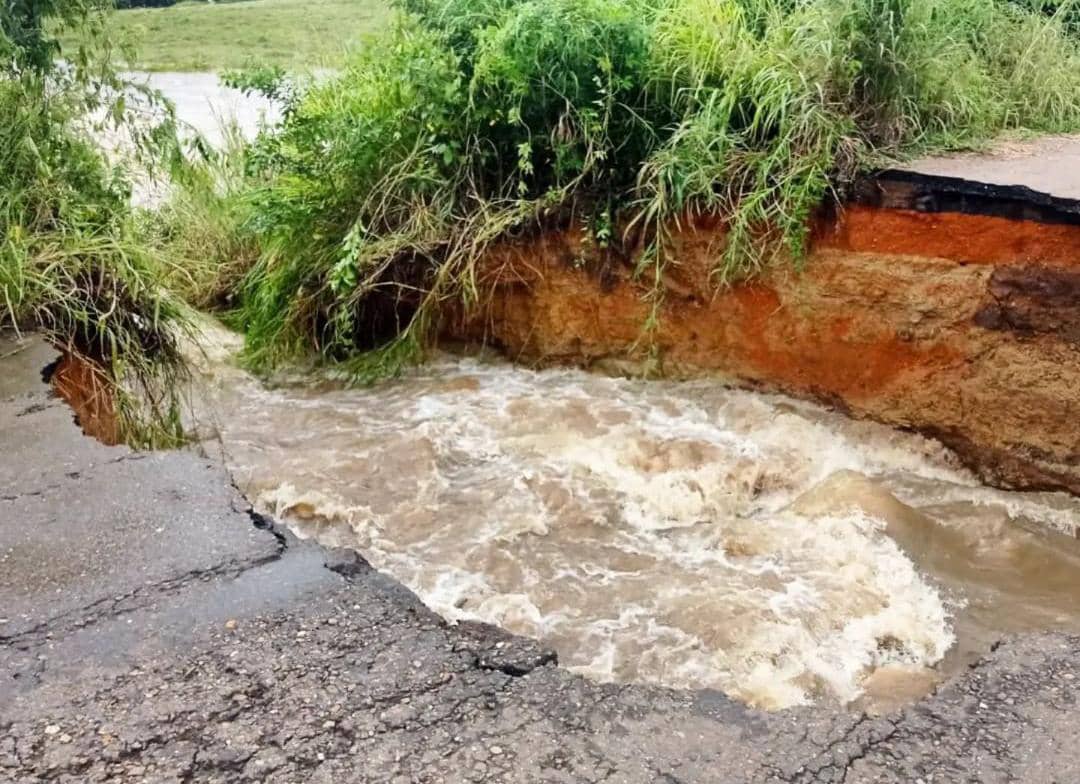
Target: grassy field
<point x="199" y="36"/>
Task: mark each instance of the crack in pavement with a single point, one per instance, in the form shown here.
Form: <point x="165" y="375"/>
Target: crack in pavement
<point x="124" y="604"/>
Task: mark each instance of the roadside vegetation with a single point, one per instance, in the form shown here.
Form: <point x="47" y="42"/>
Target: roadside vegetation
<point x="201" y="36"/>
<point x="72" y="265"/>
<point x="470" y="120"/>
<point x="203" y="236"/>
<point x="348" y="231"/>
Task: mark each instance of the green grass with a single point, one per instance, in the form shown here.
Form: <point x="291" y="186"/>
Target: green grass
<point x="467" y="121"/>
<point x="200" y="234"/>
<point x="293" y="34"/>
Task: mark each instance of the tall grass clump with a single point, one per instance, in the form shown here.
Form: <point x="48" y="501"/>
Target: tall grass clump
<point x="385" y="185"/>
<point x="71" y="265"/>
<point x="201" y="232"/>
<point x="474" y="120"/>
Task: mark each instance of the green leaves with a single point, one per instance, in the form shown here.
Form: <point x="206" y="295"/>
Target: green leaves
<point x="28" y="30"/>
<point x="474" y="120"/>
<point x="71" y="263"/>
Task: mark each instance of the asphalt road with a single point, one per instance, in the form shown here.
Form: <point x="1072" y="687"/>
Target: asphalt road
<point x="153" y="630"/>
<point x="1046" y="164"/>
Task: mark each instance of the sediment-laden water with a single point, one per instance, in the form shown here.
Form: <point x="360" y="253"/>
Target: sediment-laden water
<point x="679" y="533"/>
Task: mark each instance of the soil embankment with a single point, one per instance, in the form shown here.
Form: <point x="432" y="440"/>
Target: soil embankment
<point x="82" y="386"/>
<point x="941" y="304"/>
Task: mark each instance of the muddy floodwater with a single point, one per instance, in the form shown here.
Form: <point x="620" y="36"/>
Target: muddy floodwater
<point x="677" y="533"/>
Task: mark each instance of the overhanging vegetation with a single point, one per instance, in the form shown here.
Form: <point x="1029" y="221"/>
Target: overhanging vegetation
<point x="71" y="263"/>
<point x="472" y="119"/>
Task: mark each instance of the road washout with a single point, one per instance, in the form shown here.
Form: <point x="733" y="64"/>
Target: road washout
<point x="676" y="533"/>
<point x="155" y="630"/>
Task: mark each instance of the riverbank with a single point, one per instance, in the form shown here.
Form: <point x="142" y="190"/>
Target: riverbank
<point x="940" y="298"/>
<point x="153" y="630"/>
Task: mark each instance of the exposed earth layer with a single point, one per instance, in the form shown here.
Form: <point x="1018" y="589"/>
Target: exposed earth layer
<point x="929" y="302"/>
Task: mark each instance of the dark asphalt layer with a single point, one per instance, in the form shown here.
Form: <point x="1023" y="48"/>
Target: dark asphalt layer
<point x="1047" y="164"/>
<point x="151" y="632"/>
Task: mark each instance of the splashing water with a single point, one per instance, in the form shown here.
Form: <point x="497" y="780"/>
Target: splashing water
<point x="685" y="534"/>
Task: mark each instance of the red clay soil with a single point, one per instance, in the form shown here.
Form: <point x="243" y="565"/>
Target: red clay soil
<point x="965" y="327"/>
<point x="78" y="382"/>
<point x="969" y="239"/>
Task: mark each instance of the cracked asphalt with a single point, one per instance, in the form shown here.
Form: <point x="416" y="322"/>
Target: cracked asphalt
<point x="153" y="630"/>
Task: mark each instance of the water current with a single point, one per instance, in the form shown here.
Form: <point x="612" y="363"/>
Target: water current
<point x="677" y="533"/>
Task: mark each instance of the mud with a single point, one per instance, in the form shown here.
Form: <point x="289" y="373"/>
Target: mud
<point x="83" y="386"/>
<point x="1033" y="301"/>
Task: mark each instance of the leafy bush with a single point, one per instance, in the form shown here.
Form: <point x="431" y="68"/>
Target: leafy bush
<point x="472" y="119"/>
<point x="71" y="265"/>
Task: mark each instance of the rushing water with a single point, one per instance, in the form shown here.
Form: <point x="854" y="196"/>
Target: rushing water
<point x="685" y="534"/>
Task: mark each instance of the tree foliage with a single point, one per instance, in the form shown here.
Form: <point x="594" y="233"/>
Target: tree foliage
<point x="28" y="31"/>
<point x="122" y="4"/>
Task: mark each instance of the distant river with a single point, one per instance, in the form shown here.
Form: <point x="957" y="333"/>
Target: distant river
<point x="205" y="106"/>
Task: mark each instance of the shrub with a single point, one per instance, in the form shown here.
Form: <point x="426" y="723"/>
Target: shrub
<point x="71" y="265"/>
<point x="472" y="119"/>
<point x="122" y="4"/>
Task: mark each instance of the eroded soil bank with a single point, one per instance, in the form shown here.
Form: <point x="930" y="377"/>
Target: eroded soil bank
<point x="929" y="303"/>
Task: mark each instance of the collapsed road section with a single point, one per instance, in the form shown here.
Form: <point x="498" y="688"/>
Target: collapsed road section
<point x="153" y="631"/>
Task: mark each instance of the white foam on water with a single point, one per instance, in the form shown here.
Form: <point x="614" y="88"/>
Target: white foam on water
<point x="650" y="531"/>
